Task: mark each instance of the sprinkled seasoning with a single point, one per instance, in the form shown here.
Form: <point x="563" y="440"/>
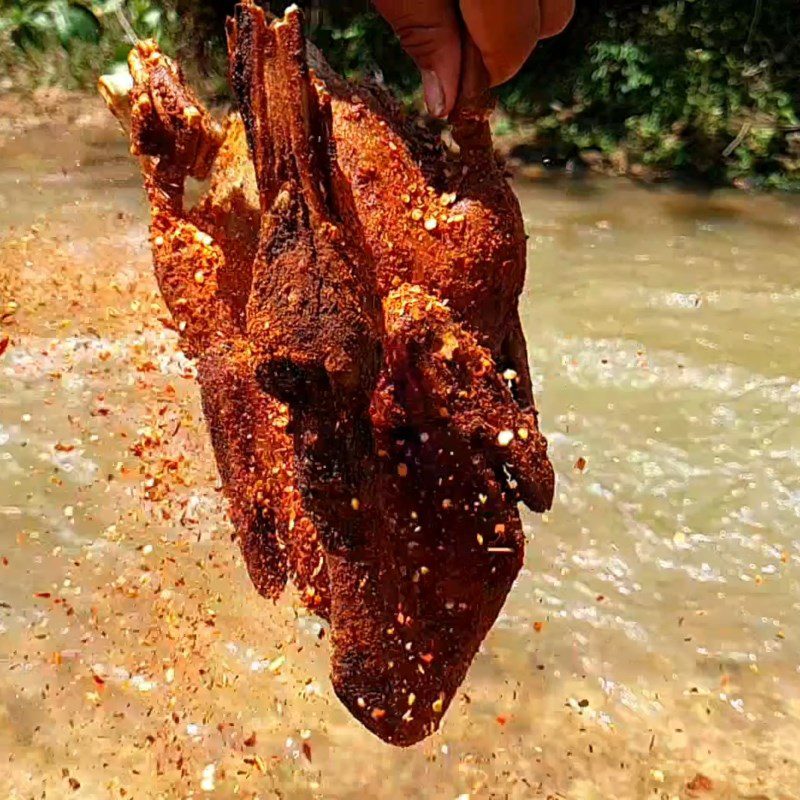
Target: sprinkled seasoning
<point x="504" y="438"/>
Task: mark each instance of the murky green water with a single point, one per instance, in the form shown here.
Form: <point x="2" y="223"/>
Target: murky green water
<point x="649" y="639"/>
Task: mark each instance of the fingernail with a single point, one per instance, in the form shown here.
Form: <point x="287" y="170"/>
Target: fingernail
<point x="434" y="92"/>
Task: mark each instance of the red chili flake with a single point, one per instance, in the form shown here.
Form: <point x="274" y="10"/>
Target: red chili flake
<point x="307" y="751"/>
<point x="4" y="341"/>
<point x="700" y="783"/>
<point x="64" y="448"/>
<point x="426" y="657"/>
<point x="5" y="561"/>
<point x="378" y="713"/>
<point x="537" y="626"/>
<point x="98" y="680"/>
<point x="580" y="464"/>
<point x="501" y="720"/>
<point x="250" y="741"/>
<point x="600" y="598"/>
<point x="42" y="595"/>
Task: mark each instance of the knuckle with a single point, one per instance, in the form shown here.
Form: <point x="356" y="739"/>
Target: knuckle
<point x="559" y="17"/>
<point x="501" y="69"/>
<point x="420" y="41"/>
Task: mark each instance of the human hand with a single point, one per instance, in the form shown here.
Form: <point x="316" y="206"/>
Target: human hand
<point x="436" y="32"/>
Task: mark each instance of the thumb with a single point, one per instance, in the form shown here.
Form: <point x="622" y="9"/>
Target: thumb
<point x="430" y="33"/>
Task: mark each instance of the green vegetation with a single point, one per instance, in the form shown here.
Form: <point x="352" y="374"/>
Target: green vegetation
<point x="709" y="88"/>
<point x="68" y="42"/>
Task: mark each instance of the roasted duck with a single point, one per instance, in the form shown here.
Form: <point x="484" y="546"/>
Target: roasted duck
<point x="349" y="288"/>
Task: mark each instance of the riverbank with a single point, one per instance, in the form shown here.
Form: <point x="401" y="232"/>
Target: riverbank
<point x="515" y="142"/>
<point x="49" y="107"/>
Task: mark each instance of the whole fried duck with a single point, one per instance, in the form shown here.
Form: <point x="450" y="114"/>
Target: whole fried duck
<point x="349" y="289"/>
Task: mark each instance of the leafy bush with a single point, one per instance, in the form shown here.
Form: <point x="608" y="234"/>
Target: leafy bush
<point x="69" y="42"/>
<point x="709" y="88"/>
<point x="362" y="44"/>
<point x="33" y="24"/>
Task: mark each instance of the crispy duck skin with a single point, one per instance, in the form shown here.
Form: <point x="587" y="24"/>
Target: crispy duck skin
<point x="350" y="291"/>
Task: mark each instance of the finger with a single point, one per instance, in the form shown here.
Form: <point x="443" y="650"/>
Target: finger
<point x="505" y="33"/>
<point x="429" y="32"/>
<point x="474" y="77"/>
<point x="555" y="15"/>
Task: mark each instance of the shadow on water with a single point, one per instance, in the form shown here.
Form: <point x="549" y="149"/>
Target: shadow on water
<point x="692" y="202"/>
